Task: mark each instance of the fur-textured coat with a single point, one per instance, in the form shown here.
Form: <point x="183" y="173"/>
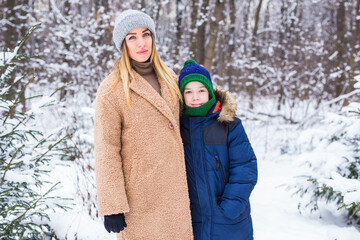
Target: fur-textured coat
<point x="139" y="161"/>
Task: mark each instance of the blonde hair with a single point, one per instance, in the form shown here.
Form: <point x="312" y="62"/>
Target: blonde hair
<point x="123" y="72"/>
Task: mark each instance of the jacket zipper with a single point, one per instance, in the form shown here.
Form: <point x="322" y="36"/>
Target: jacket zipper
<point x="218" y="166"/>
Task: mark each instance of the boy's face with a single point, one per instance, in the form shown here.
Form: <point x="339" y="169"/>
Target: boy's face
<point x="195" y="94"/>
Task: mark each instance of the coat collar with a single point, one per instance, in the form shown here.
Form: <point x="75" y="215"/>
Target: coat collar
<point x="164" y="102"/>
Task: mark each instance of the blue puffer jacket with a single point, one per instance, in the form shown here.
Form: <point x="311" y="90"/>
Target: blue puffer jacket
<point x="221" y="170"/>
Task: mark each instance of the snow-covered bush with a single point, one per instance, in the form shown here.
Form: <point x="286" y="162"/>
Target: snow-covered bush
<point x="330" y="163"/>
<point x="27" y="155"/>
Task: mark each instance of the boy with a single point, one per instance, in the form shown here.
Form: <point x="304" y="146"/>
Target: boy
<point x="220" y="162"/>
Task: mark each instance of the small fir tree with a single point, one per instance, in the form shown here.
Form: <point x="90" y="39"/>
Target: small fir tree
<point x="333" y="173"/>
<point x="26" y="194"/>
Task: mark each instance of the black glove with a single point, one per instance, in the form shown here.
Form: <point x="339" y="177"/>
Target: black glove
<point x="115" y="222"/>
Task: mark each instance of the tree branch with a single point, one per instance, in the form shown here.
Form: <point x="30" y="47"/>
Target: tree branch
<point x="34" y="204"/>
<point x="8" y="165"/>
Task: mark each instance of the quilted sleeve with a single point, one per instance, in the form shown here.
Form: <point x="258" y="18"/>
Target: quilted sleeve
<point x="242" y="173"/>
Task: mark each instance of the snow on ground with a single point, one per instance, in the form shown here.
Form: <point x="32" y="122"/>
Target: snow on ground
<point x="275" y="211"/>
<point x="75" y="223"/>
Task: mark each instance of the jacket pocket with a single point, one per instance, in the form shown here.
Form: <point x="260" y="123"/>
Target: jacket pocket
<point x="221" y="217"/>
<point x="220" y="168"/>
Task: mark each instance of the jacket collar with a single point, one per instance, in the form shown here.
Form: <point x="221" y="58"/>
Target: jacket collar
<point x="164" y="102"/>
<point x="228" y="104"/>
<point x="223" y="110"/>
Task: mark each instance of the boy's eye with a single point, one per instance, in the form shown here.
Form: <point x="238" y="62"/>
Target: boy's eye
<point x="202" y="90"/>
<point x="187" y="92"/>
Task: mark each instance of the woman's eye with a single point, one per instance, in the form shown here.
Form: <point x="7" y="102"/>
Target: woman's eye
<point x="146" y="34"/>
<point x="187" y="92"/>
<point x="202" y="90"/>
<point x="132" y="37"/>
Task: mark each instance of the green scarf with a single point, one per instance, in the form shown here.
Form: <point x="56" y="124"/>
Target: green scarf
<point x="201" y="111"/>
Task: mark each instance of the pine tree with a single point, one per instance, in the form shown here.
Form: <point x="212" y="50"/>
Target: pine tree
<point x="354" y="173"/>
<point x="339" y="183"/>
<point x="26" y="194"/>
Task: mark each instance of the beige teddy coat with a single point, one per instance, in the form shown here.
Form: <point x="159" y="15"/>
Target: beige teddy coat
<point x="139" y="161"/>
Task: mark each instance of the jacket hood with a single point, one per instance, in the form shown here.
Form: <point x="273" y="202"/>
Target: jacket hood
<point x="228" y="104"/>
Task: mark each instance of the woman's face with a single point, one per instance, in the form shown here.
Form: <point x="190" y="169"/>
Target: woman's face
<point x="139" y="44"/>
<point x="195" y="94"/>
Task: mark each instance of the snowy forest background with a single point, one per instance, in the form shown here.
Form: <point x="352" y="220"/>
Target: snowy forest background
<point x="294" y="67"/>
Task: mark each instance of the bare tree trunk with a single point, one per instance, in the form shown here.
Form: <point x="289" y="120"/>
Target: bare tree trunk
<point x="282" y="54"/>
<point x="198" y="36"/>
<point x="193" y="29"/>
<point x="340" y="44"/>
<point x="106" y="39"/>
<point x="66" y="78"/>
<point x="231" y="46"/>
<point x="201" y="32"/>
<point x="10" y="34"/>
<point x="254" y="33"/>
<point x="16" y="12"/>
<point x="142" y="4"/>
<point x="295" y="44"/>
<point x="23" y="30"/>
<point x="354" y="40"/>
<point x="251" y="82"/>
<point x="106" y="5"/>
<point x="265" y="36"/>
<point x="246" y="23"/>
<point x="210" y="48"/>
<point x="244" y="44"/>
<point x="300" y="56"/>
<point x="221" y="50"/>
<point x="179" y="29"/>
<point x="158" y="8"/>
<point x="108" y="31"/>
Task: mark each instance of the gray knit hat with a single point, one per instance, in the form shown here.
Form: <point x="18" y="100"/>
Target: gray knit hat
<point x="128" y="20"/>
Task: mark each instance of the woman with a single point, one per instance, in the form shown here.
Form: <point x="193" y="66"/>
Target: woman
<point x="139" y="161"/>
<point x="220" y="162"/>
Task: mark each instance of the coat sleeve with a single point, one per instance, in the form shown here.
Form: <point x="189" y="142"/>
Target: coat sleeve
<point x="242" y="173"/>
<point x="111" y="193"/>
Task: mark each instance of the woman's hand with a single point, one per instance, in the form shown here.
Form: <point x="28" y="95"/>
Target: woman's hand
<point x="115" y="223"/>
